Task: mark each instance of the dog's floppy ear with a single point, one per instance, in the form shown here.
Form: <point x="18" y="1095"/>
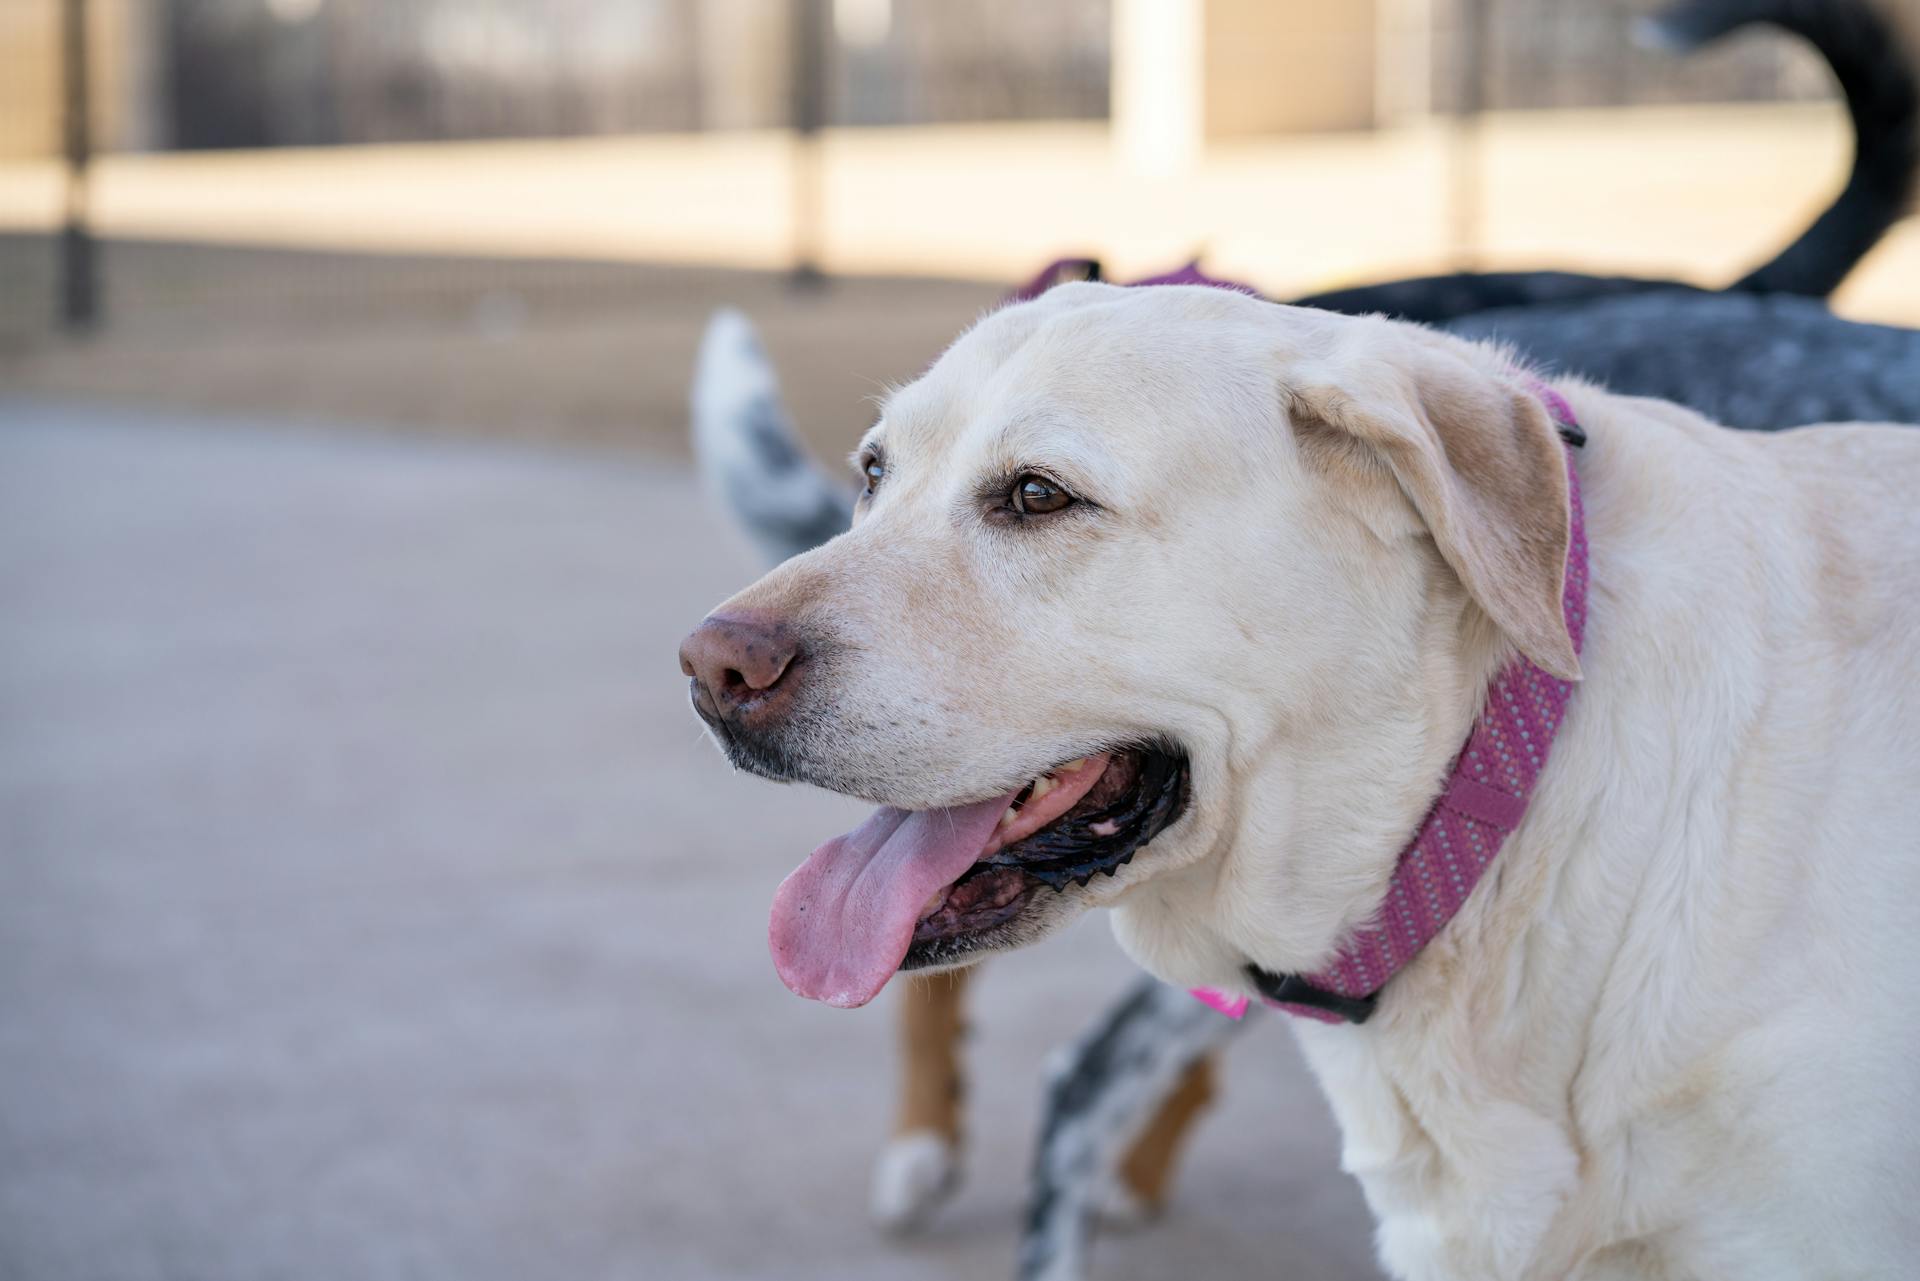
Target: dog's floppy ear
<point x="1480" y="461"/>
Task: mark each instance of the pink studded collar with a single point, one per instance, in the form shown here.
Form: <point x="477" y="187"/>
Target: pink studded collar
<point x="1483" y="801"/>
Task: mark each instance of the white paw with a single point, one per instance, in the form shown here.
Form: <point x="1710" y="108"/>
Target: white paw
<point x="1120" y="1208"/>
<point x="915" y="1173"/>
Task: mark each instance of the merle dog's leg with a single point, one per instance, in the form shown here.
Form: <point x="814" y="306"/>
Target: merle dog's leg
<point x="919" y="1169"/>
<point x="1103" y="1093"/>
<point x="1140" y="1190"/>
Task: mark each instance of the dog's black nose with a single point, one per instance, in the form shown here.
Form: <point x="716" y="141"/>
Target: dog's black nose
<point x="741" y="666"/>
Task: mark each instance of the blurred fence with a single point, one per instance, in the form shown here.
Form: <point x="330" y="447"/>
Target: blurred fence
<point x="261" y="73"/>
<point x="211" y="74"/>
<point x="1545" y="54"/>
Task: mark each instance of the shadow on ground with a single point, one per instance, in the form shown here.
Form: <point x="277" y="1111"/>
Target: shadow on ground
<point x="533" y="350"/>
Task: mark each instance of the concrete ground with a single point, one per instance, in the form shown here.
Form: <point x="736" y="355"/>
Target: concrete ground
<point x="373" y="907"/>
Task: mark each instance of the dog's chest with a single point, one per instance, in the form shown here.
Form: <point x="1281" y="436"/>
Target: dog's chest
<point x="1463" y="1184"/>
<point x="1470" y="1183"/>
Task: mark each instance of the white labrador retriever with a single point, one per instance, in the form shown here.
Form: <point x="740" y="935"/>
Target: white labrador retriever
<point x="1182" y="603"/>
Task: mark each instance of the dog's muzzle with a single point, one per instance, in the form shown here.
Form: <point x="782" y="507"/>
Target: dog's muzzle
<point x="743" y="670"/>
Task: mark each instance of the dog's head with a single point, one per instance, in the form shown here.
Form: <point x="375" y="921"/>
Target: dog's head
<point x="1167" y="599"/>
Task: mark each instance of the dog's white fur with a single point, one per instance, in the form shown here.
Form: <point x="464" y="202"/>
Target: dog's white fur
<point x="1672" y="1034"/>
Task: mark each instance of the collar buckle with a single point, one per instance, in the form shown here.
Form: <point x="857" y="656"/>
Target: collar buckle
<point x="1291" y="989"/>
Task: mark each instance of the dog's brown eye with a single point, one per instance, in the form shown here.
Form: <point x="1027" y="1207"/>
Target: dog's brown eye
<point x="1035" y="496"/>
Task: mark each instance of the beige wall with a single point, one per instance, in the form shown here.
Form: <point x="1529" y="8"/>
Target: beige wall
<point x="1190" y="72"/>
<point x="1287" y="66"/>
<point x="29" y="78"/>
<point x="124" y="69"/>
<point x="1159" y="125"/>
<point x="744" y="51"/>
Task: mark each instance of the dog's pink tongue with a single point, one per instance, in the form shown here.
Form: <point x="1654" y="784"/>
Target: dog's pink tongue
<point x="843" y="921"/>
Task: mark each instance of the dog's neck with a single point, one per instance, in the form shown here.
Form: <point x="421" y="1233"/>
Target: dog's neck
<point x="1476" y="808"/>
<point x="1487" y="1100"/>
<point x="1482" y="802"/>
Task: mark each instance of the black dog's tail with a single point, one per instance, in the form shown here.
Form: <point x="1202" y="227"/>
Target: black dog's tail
<point x="1877" y="80"/>
<point x="1864" y="52"/>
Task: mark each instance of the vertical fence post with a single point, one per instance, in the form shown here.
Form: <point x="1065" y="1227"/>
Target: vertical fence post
<point x="1465" y="170"/>
<point x="79" y="294"/>
<point x="809" y="112"/>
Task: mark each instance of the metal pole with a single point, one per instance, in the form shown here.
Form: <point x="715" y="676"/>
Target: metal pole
<point x="79" y="294"/>
<point x="809" y="53"/>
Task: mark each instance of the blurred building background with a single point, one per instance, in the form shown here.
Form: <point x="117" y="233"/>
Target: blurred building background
<point x="492" y="171"/>
<point x="262" y="73"/>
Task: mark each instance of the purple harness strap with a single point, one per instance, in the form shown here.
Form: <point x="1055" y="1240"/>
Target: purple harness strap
<point x="1486" y="793"/>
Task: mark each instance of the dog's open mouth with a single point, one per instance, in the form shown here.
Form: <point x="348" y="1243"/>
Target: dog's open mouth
<point x="916" y="888"/>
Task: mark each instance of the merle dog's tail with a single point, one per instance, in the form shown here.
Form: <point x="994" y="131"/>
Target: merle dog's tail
<point x="1865" y="53"/>
<point x="748" y="452"/>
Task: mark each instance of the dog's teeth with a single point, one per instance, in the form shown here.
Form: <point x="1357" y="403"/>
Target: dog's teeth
<point x="1041" y="786"/>
<point x="1072" y="766"/>
<point x="1006" y="819"/>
